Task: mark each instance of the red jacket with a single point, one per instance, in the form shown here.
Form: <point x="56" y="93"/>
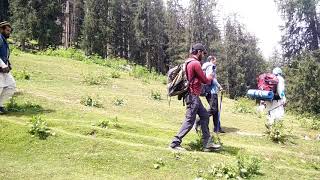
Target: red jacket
<point x="196" y="76"/>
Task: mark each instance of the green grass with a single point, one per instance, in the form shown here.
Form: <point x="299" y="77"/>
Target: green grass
<point x="82" y="150"/>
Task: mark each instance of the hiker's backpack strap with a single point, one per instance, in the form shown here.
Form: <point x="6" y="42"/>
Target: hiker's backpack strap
<point x="186" y="70"/>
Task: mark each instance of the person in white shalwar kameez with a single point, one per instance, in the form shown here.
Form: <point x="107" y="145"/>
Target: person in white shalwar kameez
<point x="7" y="82"/>
<point x="275" y="108"/>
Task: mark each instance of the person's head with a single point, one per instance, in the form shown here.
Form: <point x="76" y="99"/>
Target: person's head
<point x="277" y="71"/>
<point x="212" y="59"/>
<point x="198" y="50"/>
<point x="5" y="29"/>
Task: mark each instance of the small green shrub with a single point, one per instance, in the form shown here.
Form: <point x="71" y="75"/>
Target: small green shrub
<point x="15" y="51"/>
<point x="244" y="105"/>
<point x="309" y="121"/>
<point x="115" y="74"/>
<point x="220" y="171"/>
<point x="110" y="122"/>
<point x="315" y="125"/>
<point x="159" y="163"/>
<point x="119" y="102"/>
<point x="276" y="132"/>
<point x="156" y="95"/>
<point x="22" y="75"/>
<point x="146" y="81"/>
<point x="143" y="73"/>
<point x="91" y="102"/>
<point x="96" y="79"/>
<point x="248" y="166"/>
<point x="139" y="72"/>
<point x="39" y="128"/>
<point x="71" y="53"/>
<point x="245" y="167"/>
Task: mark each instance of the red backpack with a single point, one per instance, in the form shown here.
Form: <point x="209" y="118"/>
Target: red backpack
<point x="268" y="82"/>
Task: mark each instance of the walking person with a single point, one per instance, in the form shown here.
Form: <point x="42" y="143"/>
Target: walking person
<point x="7" y="82"/>
<point x="212" y="92"/>
<point x="275" y="108"/>
<point x="194" y="105"/>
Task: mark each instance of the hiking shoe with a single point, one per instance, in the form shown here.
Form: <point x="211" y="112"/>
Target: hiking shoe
<point x="177" y="148"/>
<point x="211" y="150"/>
<point x="2" y="110"/>
<point x="213" y="146"/>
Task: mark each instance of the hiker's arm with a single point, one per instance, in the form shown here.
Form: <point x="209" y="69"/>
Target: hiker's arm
<point x="215" y="82"/>
<point x="202" y="77"/>
<point x="2" y="64"/>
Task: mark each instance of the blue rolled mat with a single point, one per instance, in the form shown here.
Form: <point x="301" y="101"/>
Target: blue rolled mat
<point x="260" y="94"/>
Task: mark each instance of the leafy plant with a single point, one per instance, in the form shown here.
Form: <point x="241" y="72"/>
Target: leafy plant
<point x="119" y="102"/>
<point x="96" y="79"/>
<point x="159" y="163"/>
<point x="244" y="105"/>
<point x="115" y="74"/>
<point x="156" y="95"/>
<point x="248" y="166"/>
<point x="110" y="122"/>
<point x="276" y="132"/>
<point x="39" y="128"/>
<point x="22" y="75"/>
<point x="91" y="102"/>
<point x="219" y="171"/>
<point x="245" y="167"/>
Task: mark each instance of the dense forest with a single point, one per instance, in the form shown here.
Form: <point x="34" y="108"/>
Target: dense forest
<point x="158" y="36"/>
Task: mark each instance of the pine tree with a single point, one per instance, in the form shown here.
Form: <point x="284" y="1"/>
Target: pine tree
<point x="302" y="26"/>
<point x="202" y="24"/>
<point x="46" y="30"/>
<point x="23" y="20"/>
<point x="4" y="9"/>
<point x="96" y="27"/>
<point x="241" y="61"/>
<point x="176" y="32"/>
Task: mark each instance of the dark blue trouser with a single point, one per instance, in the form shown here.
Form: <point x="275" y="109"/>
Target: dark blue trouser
<point x="194" y="107"/>
<point x="214" y="110"/>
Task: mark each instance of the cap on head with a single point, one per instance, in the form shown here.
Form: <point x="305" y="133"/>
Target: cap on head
<point x="277" y="71"/>
<point x="4" y="23"/>
<point x="198" y="47"/>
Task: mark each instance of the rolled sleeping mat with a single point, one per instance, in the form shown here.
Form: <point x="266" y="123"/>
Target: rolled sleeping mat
<point x="260" y="94"/>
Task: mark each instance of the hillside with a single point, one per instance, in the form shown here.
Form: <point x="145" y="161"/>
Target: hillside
<point x="139" y="131"/>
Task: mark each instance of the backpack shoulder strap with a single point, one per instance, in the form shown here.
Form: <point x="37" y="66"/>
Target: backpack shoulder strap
<point x="186" y="65"/>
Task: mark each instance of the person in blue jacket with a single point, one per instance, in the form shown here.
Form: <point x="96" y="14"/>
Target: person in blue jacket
<point x="7" y="82"/>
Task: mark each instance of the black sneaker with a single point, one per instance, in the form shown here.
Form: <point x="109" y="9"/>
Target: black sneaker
<point x="221" y="131"/>
<point x="2" y="110"/>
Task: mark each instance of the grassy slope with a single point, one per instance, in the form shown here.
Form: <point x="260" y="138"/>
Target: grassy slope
<point x="130" y="151"/>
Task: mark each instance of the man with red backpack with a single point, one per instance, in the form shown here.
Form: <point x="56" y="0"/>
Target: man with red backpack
<point x="275" y="107"/>
<point x="196" y="78"/>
